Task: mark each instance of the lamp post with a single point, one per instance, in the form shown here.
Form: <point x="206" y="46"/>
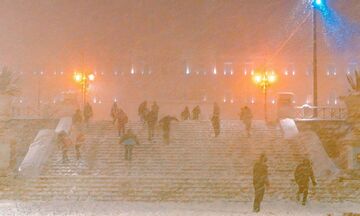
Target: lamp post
<point x="317" y="4"/>
<point x="264" y="80"/>
<point x="84" y="80"/>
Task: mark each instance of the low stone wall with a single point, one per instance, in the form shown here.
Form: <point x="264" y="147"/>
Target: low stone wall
<point x="15" y="138"/>
<point x="330" y="133"/>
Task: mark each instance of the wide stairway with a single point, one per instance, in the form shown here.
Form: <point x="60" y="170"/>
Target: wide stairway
<point x="195" y="166"/>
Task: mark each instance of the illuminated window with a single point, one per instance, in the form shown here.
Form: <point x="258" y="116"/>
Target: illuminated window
<point x="286" y="72"/>
<point x="215" y="71"/>
<point x="290" y="70"/>
<point x="228" y="68"/>
<point x="308" y="71"/>
<point x="331" y="70"/>
<point x="352" y="67"/>
<point x="187" y="70"/>
<point x="249" y="68"/>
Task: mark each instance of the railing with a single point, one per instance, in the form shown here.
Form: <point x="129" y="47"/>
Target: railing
<point x="323" y="112"/>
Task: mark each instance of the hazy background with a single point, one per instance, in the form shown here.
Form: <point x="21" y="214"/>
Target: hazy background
<point x="163" y="37"/>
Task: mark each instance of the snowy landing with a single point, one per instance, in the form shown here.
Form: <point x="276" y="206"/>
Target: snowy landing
<point x="12" y="208"/>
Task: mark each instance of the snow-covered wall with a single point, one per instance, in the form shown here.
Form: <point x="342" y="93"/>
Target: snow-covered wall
<point x="39" y="152"/>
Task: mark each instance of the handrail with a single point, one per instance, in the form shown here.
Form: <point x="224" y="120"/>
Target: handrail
<point x="324" y="112"/>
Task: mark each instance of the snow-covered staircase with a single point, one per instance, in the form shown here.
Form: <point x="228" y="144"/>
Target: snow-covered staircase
<point x="195" y="166"/>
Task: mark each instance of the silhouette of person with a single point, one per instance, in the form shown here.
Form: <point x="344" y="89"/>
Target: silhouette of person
<point x="303" y="173"/>
<point x="260" y="180"/>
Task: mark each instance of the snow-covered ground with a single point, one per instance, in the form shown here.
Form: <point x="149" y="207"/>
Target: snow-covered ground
<point x="13" y="208"/>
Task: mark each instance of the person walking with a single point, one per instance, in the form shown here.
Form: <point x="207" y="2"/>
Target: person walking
<point x="129" y="139"/>
<point x="113" y="112"/>
<point x="121" y="121"/>
<point x="260" y="180"/>
<point x="143" y="111"/>
<point x="77" y="120"/>
<point x="303" y="174"/>
<point x="155" y="108"/>
<point x="151" y="120"/>
<point x="185" y="114"/>
<point x="246" y="117"/>
<point x="88" y="113"/>
<point x="216" y="110"/>
<point x="165" y="123"/>
<point x="79" y="142"/>
<point x="65" y="142"/>
<point x="215" y="121"/>
<point x="196" y="113"/>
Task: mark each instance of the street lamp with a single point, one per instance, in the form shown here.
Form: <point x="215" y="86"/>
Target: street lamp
<point x="265" y="80"/>
<point x="83" y="79"/>
<point x="316" y="5"/>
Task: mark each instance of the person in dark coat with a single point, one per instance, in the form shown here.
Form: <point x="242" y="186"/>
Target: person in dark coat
<point x="303" y="174"/>
<point x="88" y="113"/>
<point x="155" y="108"/>
<point x="121" y="121"/>
<point x="151" y="120"/>
<point x="77" y="119"/>
<point x="260" y="180"/>
<point x="246" y="117"/>
<point x="113" y="112"/>
<point x="185" y="115"/>
<point x="65" y="143"/>
<point x="216" y="110"/>
<point x="196" y="113"/>
<point x="215" y="120"/>
<point x="165" y="123"/>
<point x="129" y="139"/>
<point x="143" y="111"/>
<point x="79" y="141"/>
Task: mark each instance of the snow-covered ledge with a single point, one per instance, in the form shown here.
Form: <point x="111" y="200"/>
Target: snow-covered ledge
<point x="65" y="125"/>
<point x="38" y="153"/>
<point x="313" y="149"/>
<point x="41" y="149"/>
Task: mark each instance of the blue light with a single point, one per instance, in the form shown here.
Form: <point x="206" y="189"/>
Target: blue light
<point x="318" y="2"/>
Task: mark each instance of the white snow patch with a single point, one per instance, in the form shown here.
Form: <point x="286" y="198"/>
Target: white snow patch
<point x="8" y="208"/>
